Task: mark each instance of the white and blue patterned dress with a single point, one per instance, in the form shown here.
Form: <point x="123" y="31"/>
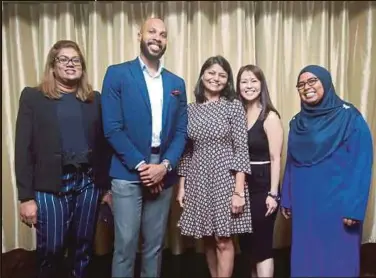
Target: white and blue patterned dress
<point x="217" y="148"/>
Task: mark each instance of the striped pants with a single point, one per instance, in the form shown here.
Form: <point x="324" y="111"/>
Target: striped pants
<point x="67" y="217"/>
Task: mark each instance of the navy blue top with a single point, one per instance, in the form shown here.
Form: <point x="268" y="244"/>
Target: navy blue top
<point x="73" y="138"/>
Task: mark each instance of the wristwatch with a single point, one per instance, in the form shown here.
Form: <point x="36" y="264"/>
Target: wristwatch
<point x="240" y="194"/>
<point x="167" y="164"/>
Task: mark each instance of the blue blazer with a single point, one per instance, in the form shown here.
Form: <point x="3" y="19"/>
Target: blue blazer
<point x="127" y="119"/>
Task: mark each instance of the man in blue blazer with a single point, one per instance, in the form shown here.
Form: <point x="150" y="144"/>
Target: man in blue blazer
<point x="145" y="120"/>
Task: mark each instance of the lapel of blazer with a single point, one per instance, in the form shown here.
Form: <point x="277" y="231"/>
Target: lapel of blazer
<point x="166" y="97"/>
<point x="138" y="76"/>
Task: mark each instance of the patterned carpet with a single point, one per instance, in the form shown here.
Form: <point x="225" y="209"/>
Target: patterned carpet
<point x="21" y="264"/>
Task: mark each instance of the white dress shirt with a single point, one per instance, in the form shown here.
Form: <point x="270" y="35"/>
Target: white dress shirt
<point x="155" y="90"/>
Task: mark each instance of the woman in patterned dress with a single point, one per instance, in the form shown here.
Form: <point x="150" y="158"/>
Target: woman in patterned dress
<point x="212" y="189"/>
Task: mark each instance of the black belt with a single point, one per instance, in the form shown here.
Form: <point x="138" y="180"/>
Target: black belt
<point x="76" y="168"/>
<point x="155" y="150"/>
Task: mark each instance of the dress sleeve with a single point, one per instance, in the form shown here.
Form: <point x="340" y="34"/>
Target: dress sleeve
<point x="239" y="136"/>
<point x="185" y="161"/>
<point x="286" y="185"/>
<point x="358" y="178"/>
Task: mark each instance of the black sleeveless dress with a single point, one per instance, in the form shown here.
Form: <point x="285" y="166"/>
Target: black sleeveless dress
<point x="259" y="243"/>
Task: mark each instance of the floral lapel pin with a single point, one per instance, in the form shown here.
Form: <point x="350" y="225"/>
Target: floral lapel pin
<point x="175" y="93"/>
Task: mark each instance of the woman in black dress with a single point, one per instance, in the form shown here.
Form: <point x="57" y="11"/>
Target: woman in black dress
<point x="265" y="140"/>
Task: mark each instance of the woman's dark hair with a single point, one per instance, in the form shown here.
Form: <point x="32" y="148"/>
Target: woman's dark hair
<point x="228" y="92"/>
<point x="266" y="102"/>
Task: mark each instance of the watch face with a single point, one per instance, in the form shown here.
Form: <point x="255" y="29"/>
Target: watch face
<point x="168" y="166"/>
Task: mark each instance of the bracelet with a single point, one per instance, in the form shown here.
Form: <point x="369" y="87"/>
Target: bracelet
<point x="240" y="194"/>
<point x="275" y="197"/>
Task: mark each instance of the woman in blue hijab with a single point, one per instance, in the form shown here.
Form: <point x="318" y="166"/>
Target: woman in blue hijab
<point x="327" y="179"/>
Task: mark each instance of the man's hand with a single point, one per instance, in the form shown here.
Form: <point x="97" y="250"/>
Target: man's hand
<point x="156" y="189"/>
<point x="152" y="174"/>
<point x="28" y="212"/>
<point x="350" y="222"/>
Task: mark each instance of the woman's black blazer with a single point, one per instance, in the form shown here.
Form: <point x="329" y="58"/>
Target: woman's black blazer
<point x="38" y="151"/>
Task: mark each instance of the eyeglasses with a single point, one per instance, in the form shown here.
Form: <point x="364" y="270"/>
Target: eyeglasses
<point x="64" y="60"/>
<point x="301" y="85"/>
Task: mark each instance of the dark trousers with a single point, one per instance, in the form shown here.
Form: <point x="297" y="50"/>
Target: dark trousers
<point x="70" y="214"/>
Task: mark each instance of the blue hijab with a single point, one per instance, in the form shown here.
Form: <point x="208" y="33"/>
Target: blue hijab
<point x="318" y="130"/>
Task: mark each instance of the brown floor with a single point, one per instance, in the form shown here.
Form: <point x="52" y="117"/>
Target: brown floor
<point x="21" y="264"/>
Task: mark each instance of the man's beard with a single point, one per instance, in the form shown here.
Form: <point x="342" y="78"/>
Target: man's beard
<point x="145" y="51"/>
